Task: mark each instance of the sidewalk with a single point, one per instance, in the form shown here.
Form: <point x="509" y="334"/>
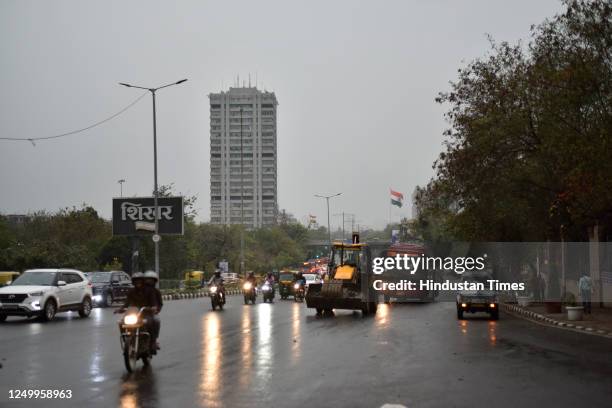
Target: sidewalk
<point x="598" y="322"/>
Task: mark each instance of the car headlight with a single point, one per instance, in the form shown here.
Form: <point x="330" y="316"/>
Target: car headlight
<point x="247" y="286"/>
<point x="36" y="294"/>
<point x="213" y="289"/>
<point x="130" y="319"/>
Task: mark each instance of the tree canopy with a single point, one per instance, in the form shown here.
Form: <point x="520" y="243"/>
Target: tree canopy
<point x="528" y="154"/>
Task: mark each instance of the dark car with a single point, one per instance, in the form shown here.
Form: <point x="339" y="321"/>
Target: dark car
<point x="474" y="301"/>
<point x="109" y="287"/>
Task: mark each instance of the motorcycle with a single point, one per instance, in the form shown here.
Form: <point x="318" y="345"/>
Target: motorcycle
<point x="298" y="291"/>
<point x="268" y="292"/>
<point x="250" y="294"/>
<point x="135" y="338"/>
<point x="217" y="298"/>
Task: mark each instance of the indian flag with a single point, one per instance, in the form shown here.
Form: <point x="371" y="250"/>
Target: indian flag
<point x="397" y="198"/>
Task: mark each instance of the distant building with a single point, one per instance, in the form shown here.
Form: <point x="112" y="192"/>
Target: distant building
<point x="243" y="157"/>
<point x="17" y="219"/>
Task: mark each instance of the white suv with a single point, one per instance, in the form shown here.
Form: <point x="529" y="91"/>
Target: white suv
<point x="45" y="292"/>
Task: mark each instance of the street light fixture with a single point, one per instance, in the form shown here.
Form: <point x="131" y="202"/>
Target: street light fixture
<point x="121" y="186"/>
<point x="155" y="191"/>
<point x="327" y="199"/>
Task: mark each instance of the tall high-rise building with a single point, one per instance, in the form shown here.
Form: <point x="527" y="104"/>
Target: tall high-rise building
<point x="243" y="166"/>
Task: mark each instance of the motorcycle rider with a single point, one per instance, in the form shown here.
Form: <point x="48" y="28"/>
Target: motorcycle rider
<point x="251" y="278"/>
<point x="270" y="278"/>
<point x="142" y="295"/>
<point x="151" y="280"/>
<point x="270" y="281"/>
<point x="299" y="278"/>
<point x="217" y="280"/>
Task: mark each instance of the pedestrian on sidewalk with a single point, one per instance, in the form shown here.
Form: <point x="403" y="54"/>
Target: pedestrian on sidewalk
<point x="585" y="285"/>
<point x="540" y="288"/>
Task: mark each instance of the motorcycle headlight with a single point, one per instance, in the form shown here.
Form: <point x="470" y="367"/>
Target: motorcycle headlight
<point x="266" y="287"/>
<point x="35" y="294"/>
<point x="130" y="319"/>
<point x="247" y="286"/>
<point x="296" y="286"/>
<point x="213" y="289"/>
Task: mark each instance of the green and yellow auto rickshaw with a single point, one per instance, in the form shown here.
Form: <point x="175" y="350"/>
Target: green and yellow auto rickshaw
<point x="285" y="284"/>
<point x="193" y="280"/>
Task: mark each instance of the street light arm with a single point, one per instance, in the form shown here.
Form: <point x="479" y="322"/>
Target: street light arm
<point x="172" y="84"/>
<point x="134" y="86"/>
<point x="327" y="197"/>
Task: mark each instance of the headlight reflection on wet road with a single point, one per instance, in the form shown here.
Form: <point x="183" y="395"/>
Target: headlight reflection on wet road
<point x="246" y="349"/>
<point x="492" y="332"/>
<point x="296" y="349"/>
<point x="264" y="344"/>
<point x="139" y="389"/>
<point x="211" y="359"/>
<point x="383" y="316"/>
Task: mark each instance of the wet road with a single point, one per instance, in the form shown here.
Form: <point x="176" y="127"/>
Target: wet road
<point x="281" y="355"/>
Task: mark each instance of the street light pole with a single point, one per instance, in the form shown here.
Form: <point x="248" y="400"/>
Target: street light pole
<point x="155" y="189"/>
<point x="327" y="200"/>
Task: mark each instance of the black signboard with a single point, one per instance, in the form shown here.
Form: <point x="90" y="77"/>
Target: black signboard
<point x="136" y="216"/>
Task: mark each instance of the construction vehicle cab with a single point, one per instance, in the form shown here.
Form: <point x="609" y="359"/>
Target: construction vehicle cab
<point x="350" y="281"/>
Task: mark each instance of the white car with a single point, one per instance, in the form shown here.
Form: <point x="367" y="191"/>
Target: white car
<point x="45" y="292"/>
<point x="311" y="278"/>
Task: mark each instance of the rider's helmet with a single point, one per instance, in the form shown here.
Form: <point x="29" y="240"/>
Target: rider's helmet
<point x="217" y="273"/>
<point x="251" y="274"/>
<point x="151" y="275"/>
<point x="137" y="277"/>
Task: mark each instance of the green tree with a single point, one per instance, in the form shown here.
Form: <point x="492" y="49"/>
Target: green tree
<point x="528" y="154"/>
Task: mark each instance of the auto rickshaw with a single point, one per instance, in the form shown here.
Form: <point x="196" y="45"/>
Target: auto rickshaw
<point x="193" y="280"/>
<point x="7" y="277"/>
<point x="285" y="284"/>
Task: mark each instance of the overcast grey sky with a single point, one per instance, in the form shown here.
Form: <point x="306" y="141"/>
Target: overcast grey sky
<point x="355" y="80"/>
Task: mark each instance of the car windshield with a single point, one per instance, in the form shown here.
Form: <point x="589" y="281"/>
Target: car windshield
<point x="99" y="277"/>
<point x="310" y="277"/>
<point x="476" y="279"/>
<point x="35" y="278"/>
<point x="286" y="276"/>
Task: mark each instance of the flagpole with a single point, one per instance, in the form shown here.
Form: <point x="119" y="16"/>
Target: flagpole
<point x="389" y="202"/>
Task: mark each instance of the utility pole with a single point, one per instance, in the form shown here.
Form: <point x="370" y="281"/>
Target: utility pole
<point x="242" y="270"/>
<point x="345" y="215"/>
<point x="327" y="200"/>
